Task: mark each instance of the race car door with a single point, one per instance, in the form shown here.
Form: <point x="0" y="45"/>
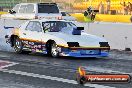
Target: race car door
<point x="32" y="36"/>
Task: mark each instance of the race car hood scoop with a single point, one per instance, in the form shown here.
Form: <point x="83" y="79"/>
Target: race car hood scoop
<point x="77" y="30"/>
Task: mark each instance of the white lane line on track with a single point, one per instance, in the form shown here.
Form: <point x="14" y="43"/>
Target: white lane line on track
<point x="51" y="78"/>
<point x="130" y="59"/>
<point x="3" y="55"/>
<point x="126" y="58"/>
<point x="105" y="70"/>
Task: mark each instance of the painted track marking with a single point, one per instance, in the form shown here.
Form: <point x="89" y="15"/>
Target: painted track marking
<point x="6" y="64"/>
<point x="51" y="78"/>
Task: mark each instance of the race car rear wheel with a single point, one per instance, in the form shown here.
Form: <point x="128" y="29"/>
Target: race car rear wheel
<point x="18" y="46"/>
<point x="54" y="50"/>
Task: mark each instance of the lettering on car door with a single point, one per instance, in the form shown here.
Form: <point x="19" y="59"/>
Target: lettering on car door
<point x="33" y="36"/>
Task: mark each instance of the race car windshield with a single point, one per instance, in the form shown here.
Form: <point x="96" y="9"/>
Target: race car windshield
<point x="56" y="26"/>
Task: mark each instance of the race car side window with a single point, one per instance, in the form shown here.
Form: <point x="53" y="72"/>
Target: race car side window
<point x="29" y="26"/>
<point x="56" y="26"/>
<point x="34" y="26"/>
<point x="37" y="26"/>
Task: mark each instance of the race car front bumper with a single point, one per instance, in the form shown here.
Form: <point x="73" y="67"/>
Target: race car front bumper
<point x="85" y="53"/>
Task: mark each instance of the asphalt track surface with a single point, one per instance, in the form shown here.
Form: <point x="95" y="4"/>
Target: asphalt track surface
<point x="23" y="73"/>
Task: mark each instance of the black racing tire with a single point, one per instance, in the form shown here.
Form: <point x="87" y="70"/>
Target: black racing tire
<point x="54" y="50"/>
<point x="48" y="47"/>
<point x="18" y="46"/>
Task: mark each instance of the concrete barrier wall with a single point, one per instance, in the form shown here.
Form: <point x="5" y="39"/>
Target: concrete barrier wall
<point x="105" y="18"/>
<point x="3" y="12"/>
<point x="113" y="18"/>
<point x="119" y="35"/>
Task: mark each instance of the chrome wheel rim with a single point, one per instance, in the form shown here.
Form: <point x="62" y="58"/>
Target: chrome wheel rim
<point x="18" y="44"/>
<point x="54" y="50"/>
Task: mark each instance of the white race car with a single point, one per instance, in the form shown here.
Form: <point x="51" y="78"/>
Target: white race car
<point x="57" y="38"/>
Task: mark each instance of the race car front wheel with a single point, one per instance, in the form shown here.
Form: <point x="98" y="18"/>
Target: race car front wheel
<point x="54" y="50"/>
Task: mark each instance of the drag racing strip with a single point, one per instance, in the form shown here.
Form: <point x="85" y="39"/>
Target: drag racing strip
<point x="51" y="78"/>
